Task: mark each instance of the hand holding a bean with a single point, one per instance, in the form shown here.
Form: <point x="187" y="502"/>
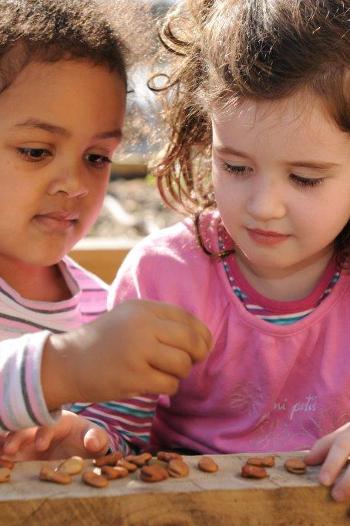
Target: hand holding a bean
<point x="139" y="347"/>
<point x="71" y="435"/>
<point x="333" y="450"/>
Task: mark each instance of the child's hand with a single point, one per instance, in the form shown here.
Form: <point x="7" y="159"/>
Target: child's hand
<point x="333" y="450"/>
<point x="71" y="435"/>
<point x="140" y="347"/>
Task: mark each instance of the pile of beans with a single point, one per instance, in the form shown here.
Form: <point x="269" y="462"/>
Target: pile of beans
<point x="115" y="466"/>
<point x="165" y="465"/>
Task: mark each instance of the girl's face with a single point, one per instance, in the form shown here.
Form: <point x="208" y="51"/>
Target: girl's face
<point x="281" y="175"/>
<point x="60" y="124"/>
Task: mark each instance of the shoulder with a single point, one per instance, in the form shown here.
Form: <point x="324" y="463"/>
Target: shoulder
<point x="175" y="247"/>
<point x="170" y="266"/>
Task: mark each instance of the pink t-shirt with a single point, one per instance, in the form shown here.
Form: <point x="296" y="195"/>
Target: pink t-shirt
<point x="264" y="387"/>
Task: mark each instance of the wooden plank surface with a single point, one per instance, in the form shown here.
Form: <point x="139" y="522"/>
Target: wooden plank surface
<point x="223" y="498"/>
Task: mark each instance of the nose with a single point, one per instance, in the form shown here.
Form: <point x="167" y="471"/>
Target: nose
<point x="266" y="200"/>
<point x="70" y="181"/>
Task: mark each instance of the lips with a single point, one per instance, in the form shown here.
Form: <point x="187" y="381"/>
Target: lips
<point x="267" y="237"/>
<point x="268" y="233"/>
<point x="61" y="216"/>
<point x="59" y="221"/>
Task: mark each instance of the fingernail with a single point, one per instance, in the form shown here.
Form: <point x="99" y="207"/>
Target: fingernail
<point x="325" y="479"/>
<point x="94" y="443"/>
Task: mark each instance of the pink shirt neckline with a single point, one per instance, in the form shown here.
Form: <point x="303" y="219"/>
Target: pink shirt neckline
<point x="278" y="306"/>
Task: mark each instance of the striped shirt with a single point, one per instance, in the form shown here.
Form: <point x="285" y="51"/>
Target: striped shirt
<point x="24" y="327"/>
<point x="276" y="312"/>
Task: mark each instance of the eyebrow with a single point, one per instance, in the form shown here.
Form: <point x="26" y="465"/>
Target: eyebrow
<point x="58" y="130"/>
<point x="318" y="165"/>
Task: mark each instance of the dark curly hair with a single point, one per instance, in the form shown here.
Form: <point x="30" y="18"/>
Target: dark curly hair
<point x="51" y="30"/>
<point x="221" y="51"/>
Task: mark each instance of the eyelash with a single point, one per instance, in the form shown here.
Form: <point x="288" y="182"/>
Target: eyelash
<point x="103" y="160"/>
<point x="27" y="153"/>
<point x="237" y="170"/>
<point x="35" y="155"/>
<point x="304" y="182"/>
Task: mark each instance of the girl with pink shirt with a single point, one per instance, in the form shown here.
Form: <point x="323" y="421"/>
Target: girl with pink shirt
<point x="261" y="88"/>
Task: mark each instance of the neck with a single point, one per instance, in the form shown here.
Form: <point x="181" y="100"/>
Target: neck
<point x="290" y="284"/>
<point x="35" y="282"/>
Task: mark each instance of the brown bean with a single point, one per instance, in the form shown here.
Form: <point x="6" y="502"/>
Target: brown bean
<point x="262" y="462"/>
<point x="208" y="465"/>
<point x="6" y="463"/>
<point x="48" y="474"/>
<point x="107" y="460"/>
<point x="253" y="472"/>
<point x="139" y="460"/>
<point x="153" y="473"/>
<point x="295" y="465"/>
<point x="72" y="466"/>
<point x="130" y="466"/>
<point x="93" y="479"/>
<point x="166" y="456"/>
<point x="114" y="472"/>
<point x="5" y="474"/>
<point x="178" y="468"/>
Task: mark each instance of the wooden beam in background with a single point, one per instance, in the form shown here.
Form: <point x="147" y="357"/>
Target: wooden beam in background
<point x="103" y="257"/>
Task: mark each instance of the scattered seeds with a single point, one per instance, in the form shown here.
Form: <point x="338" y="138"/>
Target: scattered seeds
<point x="72" y="466"/>
<point x="49" y="474"/>
<point x="253" y="472"/>
<point x="208" y="465"/>
<point x="5" y="474"/>
<point x="93" y="479"/>
<point x="295" y="465"/>
<point x="262" y="462"/>
<point x="178" y="468"/>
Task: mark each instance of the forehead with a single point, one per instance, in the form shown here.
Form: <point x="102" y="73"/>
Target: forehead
<point x="300" y="120"/>
<point x="63" y="90"/>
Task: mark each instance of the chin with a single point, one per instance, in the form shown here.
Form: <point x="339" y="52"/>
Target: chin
<point x="47" y="258"/>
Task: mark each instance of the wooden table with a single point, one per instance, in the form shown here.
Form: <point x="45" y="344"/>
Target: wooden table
<point x="202" y="499"/>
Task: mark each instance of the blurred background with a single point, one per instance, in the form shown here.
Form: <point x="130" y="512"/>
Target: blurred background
<point x="132" y="208"/>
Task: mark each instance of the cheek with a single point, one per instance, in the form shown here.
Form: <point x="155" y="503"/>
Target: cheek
<point x="94" y="201"/>
<point x="98" y="185"/>
<point x="229" y="196"/>
<point x="321" y="223"/>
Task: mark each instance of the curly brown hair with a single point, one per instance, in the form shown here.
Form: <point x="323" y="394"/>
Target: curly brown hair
<point x="51" y="30"/>
<point x="224" y="50"/>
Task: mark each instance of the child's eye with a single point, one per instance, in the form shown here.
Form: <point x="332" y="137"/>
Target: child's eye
<point x="237" y="170"/>
<point x="34" y="154"/>
<point x="97" y="160"/>
<point x="306" y="181"/>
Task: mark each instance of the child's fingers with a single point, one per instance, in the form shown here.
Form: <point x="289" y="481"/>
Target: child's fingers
<point x="182" y="336"/>
<point x="335" y="460"/>
<point x="172" y="361"/>
<point x="341" y="489"/>
<point x="18" y="439"/>
<point x="96" y="441"/>
<point x="44" y="437"/>
<point x="178" y="315"/>
<point x="319" y="450"/>
<point x="156" y="382"/>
